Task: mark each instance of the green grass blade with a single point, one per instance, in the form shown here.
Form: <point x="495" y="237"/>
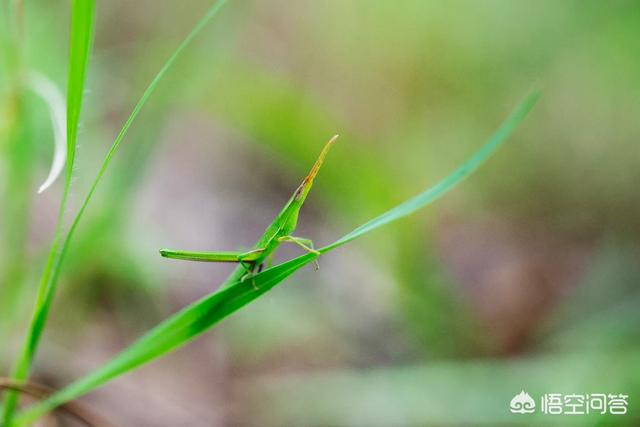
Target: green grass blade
<point x="200" y="316"/>
<point x="57" y="266"/>
<point x="448" y="183"/>
<point x="53" y="267"/>
<point x="82" y="22"/>
<point x="174" y="332"/>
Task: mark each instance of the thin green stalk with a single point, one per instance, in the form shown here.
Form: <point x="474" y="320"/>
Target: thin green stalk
<point x="57" y="266"/>
<point x="49" y="280"/>
<point x="197" y="318"/>
<point x="82" y="20"/>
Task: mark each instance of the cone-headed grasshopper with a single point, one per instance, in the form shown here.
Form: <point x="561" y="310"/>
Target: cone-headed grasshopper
<point x="278" y="232"/>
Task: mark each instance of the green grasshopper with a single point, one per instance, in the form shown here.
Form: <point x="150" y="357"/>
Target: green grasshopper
<point x="278" y="232"/>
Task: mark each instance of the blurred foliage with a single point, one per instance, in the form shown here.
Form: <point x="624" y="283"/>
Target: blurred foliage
<point x="526" y="274"/>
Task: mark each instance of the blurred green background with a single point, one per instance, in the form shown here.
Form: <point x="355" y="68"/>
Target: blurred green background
<point x="524" y="278"/>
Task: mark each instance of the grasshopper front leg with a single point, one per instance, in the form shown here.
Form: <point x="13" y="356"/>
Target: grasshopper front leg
<point x="304" y="243"/>
<point x="247" y="260"/>
<point x="237" y="257"/>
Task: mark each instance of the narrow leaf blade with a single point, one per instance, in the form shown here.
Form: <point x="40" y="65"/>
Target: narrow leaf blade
<point x="48" y="283"/>
<point x="82" y="23"/>
<point x="200" y="316"/>
<point x="81" y="35"/>
<point x="447" y="184"/>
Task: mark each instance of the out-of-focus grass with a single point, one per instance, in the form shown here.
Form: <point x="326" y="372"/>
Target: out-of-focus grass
<point x="236" y="292"/>
<point x="472" y="392"/>
<point x="81" y="39"/>
<point x="272" y="77"/>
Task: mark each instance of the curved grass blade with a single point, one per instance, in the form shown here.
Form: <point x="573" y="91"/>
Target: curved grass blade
<point x="81" y="35"/>
<point x="50" y="94"/>
<point x="200" y="316"/>
<point x="51" y="274"/>
<point x="119" y="138"/>
<point x="442" y="187"/>
<point x="174" y="332"/>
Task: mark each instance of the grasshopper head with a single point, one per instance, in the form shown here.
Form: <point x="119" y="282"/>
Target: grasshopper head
<point x="303" y="190"/>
